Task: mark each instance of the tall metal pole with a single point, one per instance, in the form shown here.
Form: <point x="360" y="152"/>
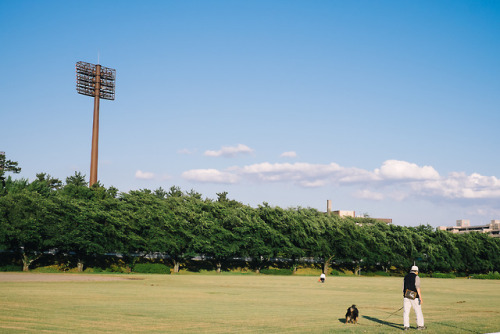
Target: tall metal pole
<point x="95" y="128"/>
<point x="98" y="82"/>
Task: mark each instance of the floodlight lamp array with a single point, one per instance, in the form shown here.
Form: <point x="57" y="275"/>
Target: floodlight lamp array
<point x="86" y="77"/>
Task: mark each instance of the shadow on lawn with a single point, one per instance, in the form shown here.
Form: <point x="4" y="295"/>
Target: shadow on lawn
<point x="383" y="322"/>
<point x="457" y="328"/>
<point x="399" y="326"/>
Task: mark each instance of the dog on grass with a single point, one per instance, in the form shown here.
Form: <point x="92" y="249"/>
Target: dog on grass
<point x="352" y="315"/>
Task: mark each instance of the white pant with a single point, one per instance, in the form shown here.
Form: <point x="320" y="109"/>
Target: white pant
<point x="407" y="305"/>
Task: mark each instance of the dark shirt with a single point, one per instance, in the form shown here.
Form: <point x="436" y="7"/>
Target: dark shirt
<point x="410" y="283"/>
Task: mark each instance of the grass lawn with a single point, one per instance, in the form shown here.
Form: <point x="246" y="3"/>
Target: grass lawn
<point x="240" y="304"/>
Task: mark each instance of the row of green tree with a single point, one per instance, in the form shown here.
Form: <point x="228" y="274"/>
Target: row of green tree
<point x="47" y="216"/>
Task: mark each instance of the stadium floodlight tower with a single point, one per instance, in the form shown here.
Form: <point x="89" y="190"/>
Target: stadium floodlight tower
<point x="99" y="82"/>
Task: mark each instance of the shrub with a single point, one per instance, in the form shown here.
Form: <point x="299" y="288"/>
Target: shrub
<point x="11" y="267"/>
<point x="151" y="268"/>
<point x="276" y="271"/>
<point x="382" y="273"/>
<point x="115" y="268"/>
<point x="335" y="272"/>
<point x="307" y="271"/>
<point x="48" y="269"/>
<point x="490" y="275"/>
<point x="443" y="275"/>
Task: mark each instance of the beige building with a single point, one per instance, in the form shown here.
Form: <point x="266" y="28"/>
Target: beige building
<point x="463" y="226"/>
<point x="344" y="213"/>
<point x="341" y="213"/>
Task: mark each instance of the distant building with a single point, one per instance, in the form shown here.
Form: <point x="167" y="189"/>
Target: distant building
<point x="384" y="220"/>
<point x="463" y="226"/>
<point x="344" y="213"/>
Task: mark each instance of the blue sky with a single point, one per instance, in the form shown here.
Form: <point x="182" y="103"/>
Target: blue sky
<point x="387" y="108"/>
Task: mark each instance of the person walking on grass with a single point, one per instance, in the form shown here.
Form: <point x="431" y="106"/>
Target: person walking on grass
<point x="412" y="298"/>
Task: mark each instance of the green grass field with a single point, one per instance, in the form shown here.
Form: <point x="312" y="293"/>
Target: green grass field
<point x="239" y="304"/>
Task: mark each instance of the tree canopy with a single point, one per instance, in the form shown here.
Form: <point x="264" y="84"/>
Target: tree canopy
<point x="7" y="166"/>
<point x="83" y="224"/>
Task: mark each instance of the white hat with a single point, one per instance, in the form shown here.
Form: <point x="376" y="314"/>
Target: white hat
<point x="414" y="268"/>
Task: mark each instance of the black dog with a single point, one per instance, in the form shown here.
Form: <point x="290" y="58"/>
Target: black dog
<point x="352" y="315"/>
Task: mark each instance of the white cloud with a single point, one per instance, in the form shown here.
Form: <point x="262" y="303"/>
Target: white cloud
<point x="302" y="172"/>
<point x="486" y="211"/>
<point x="210" y="176"/>
<point x="353" y="175"/>
<point x="290" y="154"/>
<point x="368" y="194"/>
<point x="165" y="177"/>
<point x="398" y="179"/>
<point x="401" y="170"/>
<point x="185" y="151"/>
<point x="144" y="175"/>
<point x="460" y="185"/>
<point x="229" y="151"/>
<point x="313" y="184"/>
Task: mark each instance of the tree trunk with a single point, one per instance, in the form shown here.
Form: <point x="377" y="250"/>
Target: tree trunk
<point x="357" y="270"/>
<point x="219" y="266"/>
<point x="27" y="261"/>
<point x="326" y="265"/>
<point x="176" y="266"/>
<point x="259" y="263"/>
<point x="79" y="266"/>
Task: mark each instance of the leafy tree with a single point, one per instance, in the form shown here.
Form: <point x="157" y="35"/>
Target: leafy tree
<point x="45" y="215"/>
<point x="160" y="193"/>
<point x="77" y="180"/>
<point x="7" y="166"/>
<point x="45" y="184"/>
<point x="160" y="225"/>
<point x="186" y="211"/>
<point x="255" y="238"/>
<point x="23" y="225"/>
<point x="402" y="247"/>
<point x="222" y="197"/>
<point x="112" y="192"/>
<point x="174" y="192"/>
<point x="211" y="237"/>
<point x="379" y="253"/>
<point x="91" y="228"/>
<point x="449" y="258"/>
<point x="351" y="248"/>
<point x="13" y="186"/>
<point x="278" y="237"/>
<point x="193" y="194"/>
<point x="479" y="252"/>
<point x="77" y="188"/>
<point x="147" y="223"/>
<point x="306" y="232"/>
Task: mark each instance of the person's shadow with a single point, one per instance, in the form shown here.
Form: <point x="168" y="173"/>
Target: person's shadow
<point x="382" y="322"/>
